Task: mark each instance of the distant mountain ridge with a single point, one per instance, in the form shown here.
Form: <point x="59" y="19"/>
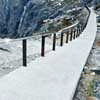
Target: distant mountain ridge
<point x="20" y="18"/>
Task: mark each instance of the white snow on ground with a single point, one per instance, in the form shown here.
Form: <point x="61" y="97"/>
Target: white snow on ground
<point x="14" y="56"/>
<point x="53" y="77"/>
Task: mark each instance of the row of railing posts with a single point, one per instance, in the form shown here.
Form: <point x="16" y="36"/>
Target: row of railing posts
<point x="73" y="34"/>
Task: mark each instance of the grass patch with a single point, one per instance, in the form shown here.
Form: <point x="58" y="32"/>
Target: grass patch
<point x="91" y="88"/>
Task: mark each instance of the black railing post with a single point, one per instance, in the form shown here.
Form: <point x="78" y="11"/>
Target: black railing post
<point x="61" y="41"/>
<point x="74" y="34"/>
<point x="67" y="37"/>
<point x="77" y="33"/>
<point x="82" y="28"/>
<point x="79" y="30"/>
<point x="71" y="35"/>
<point x="24" y="43"/>
<point x="43" y="46"/>
<point x="54" y="42"/>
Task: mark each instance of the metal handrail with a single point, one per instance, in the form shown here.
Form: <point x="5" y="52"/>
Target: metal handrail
<point x="43" y="34"/>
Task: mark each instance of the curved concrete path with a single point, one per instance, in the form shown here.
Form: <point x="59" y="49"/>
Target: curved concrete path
<point x="53" y="77"/>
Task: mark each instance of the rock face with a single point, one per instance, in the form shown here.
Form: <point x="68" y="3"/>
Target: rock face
<point x="19" y="18"/>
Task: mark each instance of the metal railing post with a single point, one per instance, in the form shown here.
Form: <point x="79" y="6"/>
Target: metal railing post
<point x="24" y="44"/>
<point x="54" y="42"/>
<point x="81" y="29"/>
<point x="77" y="33"/>
<point x="74" y="34"/>
<point x="43" y="46"/>
<point x="71" y="35"/>
<point x="67" y="37"/>
<point x="61" y="41"/>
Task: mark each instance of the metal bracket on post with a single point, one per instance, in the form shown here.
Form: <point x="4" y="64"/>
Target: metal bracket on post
<point x="24" y="44"/>
<point x="43" y="46"/>
<point x="61" y="41"/>
<point x="54" y="42"/>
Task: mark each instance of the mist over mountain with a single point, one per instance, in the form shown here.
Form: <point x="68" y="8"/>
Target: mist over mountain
<point x="19" y="18"/>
